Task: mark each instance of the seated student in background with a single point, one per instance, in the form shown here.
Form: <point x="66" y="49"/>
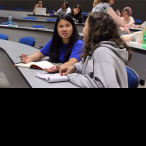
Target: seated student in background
<point x="104" y="58"/>
<point x="76" y="14"/>
<point x="64" y="8"/>
<point x="136" y="37"/>
<point x="39" y="5"/>
<point x="127" y="18"/>
<point x="64" y="47"/>
<point x="105" y="6"/>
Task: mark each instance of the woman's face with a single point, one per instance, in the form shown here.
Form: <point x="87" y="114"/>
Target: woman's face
<point x="76" y="11"/>
<point x="111" y="2"/>
<point x="125" y="14"/>
<point x="86" y="32"/>
<point x="65" y="29"/>
<point x="40" y="3"/>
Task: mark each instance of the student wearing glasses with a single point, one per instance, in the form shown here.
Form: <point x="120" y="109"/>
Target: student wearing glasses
<point x="65" y="46"/>
<point x="39" y="5"/>
<point x="65" y="9"/>
<point x="127" y="18"/>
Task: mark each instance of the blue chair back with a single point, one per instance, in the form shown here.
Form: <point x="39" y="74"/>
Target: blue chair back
<point x="6" y="23"/>
<point x="50" y="11"/>
<point x="30" y="18"/>
<point x="38" y="26"/>
<point x="133" y="78"/>
<point x="3" y="37"/>
<point x="1" y="7"/>
<point x="51" y="19"/>
<point x="84" y="13"/>
<point x="28" y="41"/>
<point x="17" y="8"/>
<point x="137" y="21"/>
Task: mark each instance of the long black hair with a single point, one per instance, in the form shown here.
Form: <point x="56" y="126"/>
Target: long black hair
<point x="78" y="16"/>
<point x="57" y="40"/>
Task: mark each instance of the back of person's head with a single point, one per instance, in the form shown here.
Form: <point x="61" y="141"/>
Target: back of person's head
<point x="102" y="28"/>
<point x="66" y="3"/>
<point x="128" y="10"/>
<point x="57" y="40"/>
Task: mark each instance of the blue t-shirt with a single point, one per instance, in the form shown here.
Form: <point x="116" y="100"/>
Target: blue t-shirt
<point x="77" y="50"/>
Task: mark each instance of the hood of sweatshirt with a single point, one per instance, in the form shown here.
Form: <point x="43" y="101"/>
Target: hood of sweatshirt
<point x="120" y="51"/>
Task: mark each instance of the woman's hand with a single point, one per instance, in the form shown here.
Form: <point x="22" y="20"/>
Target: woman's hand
<point x="140" y="41"/>
<point x="126" y="38"/>
<point x="119" y="13"/>
<point x="67" y="70"/>
<point x="52" y="69"/>
<point x="125" y="29"/>
<point x="25" y="59"/>
<point x="37" y="5"/>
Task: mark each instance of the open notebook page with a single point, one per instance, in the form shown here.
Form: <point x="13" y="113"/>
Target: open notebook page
<point x="42" y="64"/>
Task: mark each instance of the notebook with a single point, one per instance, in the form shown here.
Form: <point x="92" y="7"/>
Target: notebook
<point x="56" y="77"/>
<point x="40" y="11"/>
<point x="36" y="65"/>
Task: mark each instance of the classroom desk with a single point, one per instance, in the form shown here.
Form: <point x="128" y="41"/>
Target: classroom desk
<point x="132" y="30"/>
<point x="23" y="77"/>
<point x="18" y="14"/>
<point x="42" y="17"/>
<point x="42" y="36"/>
<point x="138" y="62"/>
<point x="47" y="24"/>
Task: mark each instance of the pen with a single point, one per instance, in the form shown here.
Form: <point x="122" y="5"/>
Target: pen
<point x="20" y="56"/>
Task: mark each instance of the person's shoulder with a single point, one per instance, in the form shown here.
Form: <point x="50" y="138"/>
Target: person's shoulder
<point x="79" y="41"/>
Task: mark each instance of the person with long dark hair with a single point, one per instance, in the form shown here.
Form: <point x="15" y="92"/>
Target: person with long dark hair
<point x="64" y="47"/>
<point x="76" y="14"/>
<point x="105" y="57"/>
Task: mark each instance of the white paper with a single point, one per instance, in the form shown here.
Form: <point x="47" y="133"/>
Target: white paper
<point x="56" y="77"/>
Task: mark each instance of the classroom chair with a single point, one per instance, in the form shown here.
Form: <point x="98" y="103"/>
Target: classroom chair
<point x="133" y="79"/>
<point x="3" y="37"/>
<point x="3" y="81"/>
<point x="50" y="11"/>
<point x="51" y="14"/>
<point x="28" y="41"/>
<point x="51" y="19"/>
<point x="84" y="13"/>
<point x="137" y="21"/>
<point x="38" y="26"/>
<point x="17" y="8"/>
<point x="6" y="23"/>
<point x="1" y="7"/>
<point x="30" y="18"/>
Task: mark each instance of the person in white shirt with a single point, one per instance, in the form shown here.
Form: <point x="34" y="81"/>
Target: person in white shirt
<point x="135" y="37"/>
<point x="65" y="9"/>
<point x="127" y="18"/>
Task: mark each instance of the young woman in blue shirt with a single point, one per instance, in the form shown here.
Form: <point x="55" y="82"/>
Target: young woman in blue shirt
<point x="64" y="47"/>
